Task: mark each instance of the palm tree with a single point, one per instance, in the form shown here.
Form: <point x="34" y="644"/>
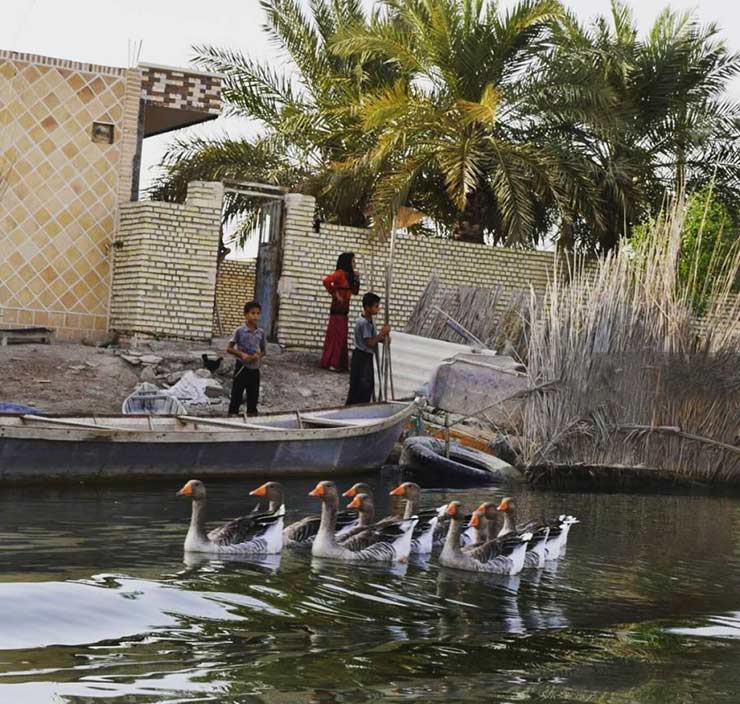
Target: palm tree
<point x="671" y="128"/>
<point x="469" y="117"/>
<point x="307" y="112"/>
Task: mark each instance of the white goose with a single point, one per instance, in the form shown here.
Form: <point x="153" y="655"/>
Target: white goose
<point x="257" y="534"/>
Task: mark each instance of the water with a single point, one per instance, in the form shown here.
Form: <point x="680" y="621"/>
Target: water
<point x="98" y="605"/>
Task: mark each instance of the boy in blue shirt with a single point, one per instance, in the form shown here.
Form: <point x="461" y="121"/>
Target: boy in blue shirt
<point x="367" y="338"/>
<point x="248" y="345"/>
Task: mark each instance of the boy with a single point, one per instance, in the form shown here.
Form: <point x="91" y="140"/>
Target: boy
<point x="362" y="371"/>
<point x="248" y="346"/>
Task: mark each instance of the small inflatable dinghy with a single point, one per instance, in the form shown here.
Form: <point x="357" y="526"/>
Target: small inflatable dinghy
<point x="424" y="459"/>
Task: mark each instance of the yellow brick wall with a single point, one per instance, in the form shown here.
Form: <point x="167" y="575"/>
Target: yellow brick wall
<point x="59" y="190"/>
<point x="234" y="287"/>
<point x="308" y="256"/>
<point x="164" y="275"/>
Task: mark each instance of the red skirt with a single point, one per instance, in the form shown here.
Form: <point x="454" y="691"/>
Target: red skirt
<point x="335" y="344"/>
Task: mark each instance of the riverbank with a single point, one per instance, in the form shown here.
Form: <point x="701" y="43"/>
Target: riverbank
<point x="70" y="378"/>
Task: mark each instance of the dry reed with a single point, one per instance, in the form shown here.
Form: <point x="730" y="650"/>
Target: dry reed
<point x="641" y="385"/>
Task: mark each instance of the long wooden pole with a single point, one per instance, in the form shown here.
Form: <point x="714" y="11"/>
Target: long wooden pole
<point x="386" y="359"/>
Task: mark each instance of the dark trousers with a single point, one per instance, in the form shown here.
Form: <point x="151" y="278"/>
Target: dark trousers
<point x="245" y="380"/>
<point x="361" y="378"/>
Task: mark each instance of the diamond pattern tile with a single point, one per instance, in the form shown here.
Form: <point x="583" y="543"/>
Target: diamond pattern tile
<point x="58" y="201"/>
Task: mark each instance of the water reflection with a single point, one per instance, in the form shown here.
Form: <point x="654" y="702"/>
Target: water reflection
<point x="100" y="603"/>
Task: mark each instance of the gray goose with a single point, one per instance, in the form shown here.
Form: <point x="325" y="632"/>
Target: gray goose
<point x="499" y="556"/>
<point x="427" y="528"/>
<point x="390" y="543"/>
<point x="557" y="529"/>
<point x="271" y="499"/>
<point x="301" y="534"/>
<point x="485" y="518"/>
<point x="259" y="534"/>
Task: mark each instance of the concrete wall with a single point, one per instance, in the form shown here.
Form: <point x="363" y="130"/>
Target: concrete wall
<point x="165" y="265"/>
<point x="234" y="287"/>
<point x="59" y="189"/>
<point x="308" y="256"/>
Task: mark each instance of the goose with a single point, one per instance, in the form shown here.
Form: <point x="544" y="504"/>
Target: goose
<point x="258" y="534"/>
<point x="485" y="518"/>
<point x="301" y="534"/>
<point x="499" y="556"/>
<point x="390" y="543"/>
<point x="426" y="530"/>
<point x="271" y="498"/>
<point x="558" y="533"/>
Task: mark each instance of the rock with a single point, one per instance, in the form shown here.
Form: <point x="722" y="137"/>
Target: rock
<point x="203" y="373"/>
<point x="213" y="389"/>
<point x="174" y="377"/>
<point x="150" y="359"/>
<point x="149" y="373"/>
<point x="91" y="365"/>
<point x="274" y="348"/>
<point x="76" y="367"/>
<point x="226" y="368"/>
<point x="306" y="393"/>
<point x="131" y="359"/>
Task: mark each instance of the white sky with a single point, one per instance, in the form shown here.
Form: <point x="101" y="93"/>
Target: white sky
<point x="99" y="32"/>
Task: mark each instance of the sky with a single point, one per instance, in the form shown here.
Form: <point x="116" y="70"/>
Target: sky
<point x="101" y="31"/>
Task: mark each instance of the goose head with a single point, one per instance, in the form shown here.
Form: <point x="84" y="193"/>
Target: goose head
<point x="326" y="491"/>
<point x="272" y="492"/>
<point x="454" y="511"/>
<point x="409" y="491"/>
<point x="358" y="488"/>
<point x="364" y="504"/>
<point x="194" y="489"/>
<point x="506" y="504"/>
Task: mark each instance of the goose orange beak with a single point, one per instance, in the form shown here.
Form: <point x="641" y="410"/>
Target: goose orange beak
<point x="503" y="506"/>
<point x="481" y="508"/>
<point x="187" y="490"/>
<point x="318" y="490"/>
<point x="400" y="490"/>
<point x="259" y="491"/>
<point x="355" y="503"/>
<point x="350" y="493"/>
<point x="451" y="510"/>
<point x="475" y="520"/>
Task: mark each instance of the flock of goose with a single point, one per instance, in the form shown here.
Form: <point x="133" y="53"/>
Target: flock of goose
<point x="354" y="534"/>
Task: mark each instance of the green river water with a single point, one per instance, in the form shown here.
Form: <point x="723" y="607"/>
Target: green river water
<point x="100" y="604"/>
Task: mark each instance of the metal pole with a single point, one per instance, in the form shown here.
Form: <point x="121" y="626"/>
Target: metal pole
<point x="447" y="435"/>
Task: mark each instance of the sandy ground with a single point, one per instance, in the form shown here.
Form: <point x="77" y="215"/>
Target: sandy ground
<point x="69" y="378"/>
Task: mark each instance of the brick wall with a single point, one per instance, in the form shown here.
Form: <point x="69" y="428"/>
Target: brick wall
<point x="234" y="287"/>
<point x="164" y="274"/>
<point x="308" y="256"/>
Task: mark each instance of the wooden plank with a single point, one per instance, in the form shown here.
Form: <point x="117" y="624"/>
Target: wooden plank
<point x="331" y="423"/>
<point x="72" y="423"/>
<point x="234" y="424"/>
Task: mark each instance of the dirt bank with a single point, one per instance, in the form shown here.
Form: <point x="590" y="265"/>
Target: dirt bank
<point x="69" y="378"/>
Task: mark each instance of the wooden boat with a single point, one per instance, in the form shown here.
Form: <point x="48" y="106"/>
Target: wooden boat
<point x="321" y="443"/>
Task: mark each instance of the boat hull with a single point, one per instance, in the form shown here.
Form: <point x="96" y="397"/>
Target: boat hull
<point x="69" y="454"/>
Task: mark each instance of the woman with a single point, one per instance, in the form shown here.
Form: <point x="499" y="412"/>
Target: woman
<point x="341" y="285"/>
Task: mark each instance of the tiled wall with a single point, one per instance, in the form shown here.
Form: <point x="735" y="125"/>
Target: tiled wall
<point x="308" y="256"/>
<point x="59" y="189"/>
<point x="234" y="287"/>
<point x="165" y="265"/>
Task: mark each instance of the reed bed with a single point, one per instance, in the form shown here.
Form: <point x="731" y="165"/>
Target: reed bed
<point x="641" y="386"/>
